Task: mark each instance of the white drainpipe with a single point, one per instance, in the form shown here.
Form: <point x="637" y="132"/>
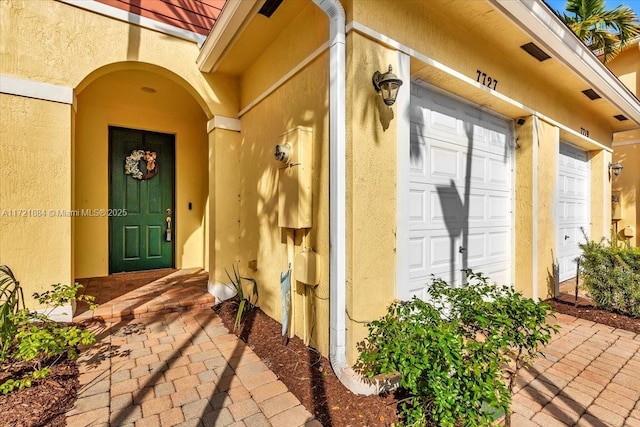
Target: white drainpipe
<point x="337" y="201"/>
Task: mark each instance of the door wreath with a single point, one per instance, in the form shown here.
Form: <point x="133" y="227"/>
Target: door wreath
<point x="132" y="164"/>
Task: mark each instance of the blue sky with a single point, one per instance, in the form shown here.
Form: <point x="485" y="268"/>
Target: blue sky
<point x="610" y="4"/>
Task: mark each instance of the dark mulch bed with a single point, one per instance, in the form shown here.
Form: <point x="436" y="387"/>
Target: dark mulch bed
<point x="307" y="374"/>
<point x="44" y="403"/>
<point x="597" y="315"/>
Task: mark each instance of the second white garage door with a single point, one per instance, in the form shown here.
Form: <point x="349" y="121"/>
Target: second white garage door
<point x="573" y="207"/>
<point x="460" y="206"/>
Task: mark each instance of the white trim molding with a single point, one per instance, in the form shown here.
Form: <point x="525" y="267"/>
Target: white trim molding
<point x="58" y="314"/>
<point x="35" y="89"/>
<point x="230" y="23"/>
<point x="135" y="19"/>
<point x="222" y="122"/>
<point x="543" y="26"/>
<point x="403" y="109"/>
<point x="387" y="41"/>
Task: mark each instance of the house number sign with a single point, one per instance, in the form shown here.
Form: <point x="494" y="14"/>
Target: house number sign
<point x="486" y="80"/>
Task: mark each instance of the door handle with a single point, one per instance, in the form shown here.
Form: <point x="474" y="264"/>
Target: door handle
<point x="168" y="234"/>
<point x="566" y="237"/>
<point x="462" y="250"/>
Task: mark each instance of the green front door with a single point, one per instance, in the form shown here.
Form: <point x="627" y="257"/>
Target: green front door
<point x="141" y="201"/>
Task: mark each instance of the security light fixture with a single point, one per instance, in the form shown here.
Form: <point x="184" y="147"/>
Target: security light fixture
<point x="533" y="50"/>
<point x="387" y="84"/>
<point x="591" y="94"/>
<point x="620" y="117"/>
<point x="615" y="168"/>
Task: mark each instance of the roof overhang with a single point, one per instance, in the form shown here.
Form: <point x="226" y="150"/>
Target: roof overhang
<point x="234" y="17"/>
<point x="542" y="25"/>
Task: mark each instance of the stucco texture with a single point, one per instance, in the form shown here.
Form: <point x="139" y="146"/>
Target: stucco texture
<point x="250" y="179"/>
<point x="626" y="148"/>
<point x="57" y="43"/>
<point x="371" y="190"/>
<point x="35" y="184"/>
<point x="116" y="99"/>
<point x="426" y="26"/>
<point x="628" y="183"/>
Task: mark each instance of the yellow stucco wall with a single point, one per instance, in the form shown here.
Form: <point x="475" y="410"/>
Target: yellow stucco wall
<point x="224" y="203"/>
<point x="300" y="102"/>
<point x="115" y="99"/>
<point x="371" y="190"/>
<point x="627" y="67"/>
<point x="250" y="179"/>
<point x="429" y="28"/>
<point x="600" y="195"/>
<point x="545" y="214"/>
<point x="628" y="183"/>
<point x="35" y="180"/>
<point x="52" y="42"/>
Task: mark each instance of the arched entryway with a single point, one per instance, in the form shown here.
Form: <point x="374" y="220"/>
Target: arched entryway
<point x="123" y="109"/>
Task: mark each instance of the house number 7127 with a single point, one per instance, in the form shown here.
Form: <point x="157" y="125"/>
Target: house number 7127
<point x="486" y="80"/>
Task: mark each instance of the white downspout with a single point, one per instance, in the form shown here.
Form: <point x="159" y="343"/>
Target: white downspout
<point x="337" y="201"/>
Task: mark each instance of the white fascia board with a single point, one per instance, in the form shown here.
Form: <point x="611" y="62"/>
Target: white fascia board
<point x="546" y="28"/>
<point x="135" y="19"/>
<point x="35" y="89"/>
<point x="230" y="23"/>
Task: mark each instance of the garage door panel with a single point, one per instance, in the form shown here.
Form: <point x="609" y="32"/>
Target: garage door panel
<point x="444" y="164"/>
<point x="418" y="255"/>
<point x="418" y="206"/>
<point x="498" y="244"/>
<point x="448" y="200"/>
<point x="417" y="160"/>
<point x="496" y="273"/>
<point x="476" y="249"/>
<point x="477" y="208"/>
<point x="572" y="207"/>
<point x="445" y="208"/>
<point x="441" y="245"/>
<point x="499" y="208"/>
<point x="478" y="173"/>
<point x="499" y="174"/>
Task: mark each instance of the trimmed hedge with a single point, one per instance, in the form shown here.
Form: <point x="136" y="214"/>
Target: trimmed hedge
<point x="611" y="275"/>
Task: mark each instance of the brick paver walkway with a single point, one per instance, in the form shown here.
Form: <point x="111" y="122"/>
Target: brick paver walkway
<point x="173" y="365"/>
<point x="589" y="376"/>
<point x="176" y="364"/>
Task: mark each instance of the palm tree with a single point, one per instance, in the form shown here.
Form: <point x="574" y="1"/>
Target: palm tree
<point x="604" y="31"/>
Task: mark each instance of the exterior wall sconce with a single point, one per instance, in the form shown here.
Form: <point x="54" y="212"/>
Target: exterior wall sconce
<point x="387" y="85"/>
<point x="615" y="168"/>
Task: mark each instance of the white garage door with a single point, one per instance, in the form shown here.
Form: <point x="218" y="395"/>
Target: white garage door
<point x="459" y="209"/>
<point x="573" y="207"/>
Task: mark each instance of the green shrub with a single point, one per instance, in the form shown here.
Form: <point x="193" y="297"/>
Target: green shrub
<point x="11" y="302"/>
<point x="32" y="343"/>
<point x="246" y="300"/>
<point x="458" y="354"/>
<point x="611" y="275"/>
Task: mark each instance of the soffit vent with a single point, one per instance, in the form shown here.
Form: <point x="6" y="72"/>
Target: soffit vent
<point x="591" y="94"/>
<point x="533" y="50"/>
<point x="269" y="7"/>
<point x="620" y="117"/>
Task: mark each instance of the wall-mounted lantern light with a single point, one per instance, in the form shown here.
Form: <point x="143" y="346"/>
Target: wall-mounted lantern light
<point x="615" y="168"/>
<point x="387" y="85"/>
